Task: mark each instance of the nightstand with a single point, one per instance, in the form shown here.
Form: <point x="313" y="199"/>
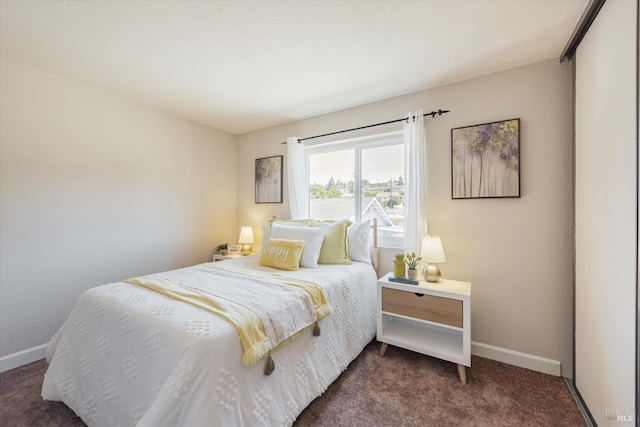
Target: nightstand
<point x="218" y="257"/>
<point x="431" y="318"/>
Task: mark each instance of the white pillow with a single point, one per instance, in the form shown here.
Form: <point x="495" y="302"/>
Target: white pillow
<point x="312" y="236"/>
<point x="266" y="230"/>
<point x="358" y="241"/>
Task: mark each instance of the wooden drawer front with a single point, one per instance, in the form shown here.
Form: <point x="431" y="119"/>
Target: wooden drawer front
<point x="426" y="307"/>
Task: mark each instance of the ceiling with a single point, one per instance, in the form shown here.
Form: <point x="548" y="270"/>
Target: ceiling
<point x="240" y="66"/>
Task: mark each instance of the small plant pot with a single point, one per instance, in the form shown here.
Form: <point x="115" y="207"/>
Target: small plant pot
<point x="412" y="274"/>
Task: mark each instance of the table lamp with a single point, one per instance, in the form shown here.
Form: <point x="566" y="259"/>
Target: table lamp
<point x="432" y="253"/>
<point x="246" y="239"/>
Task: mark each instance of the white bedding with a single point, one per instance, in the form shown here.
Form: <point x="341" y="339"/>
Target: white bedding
<point x="130" y="356"/>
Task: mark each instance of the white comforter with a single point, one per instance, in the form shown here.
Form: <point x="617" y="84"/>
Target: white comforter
<point x="129" y="356"/>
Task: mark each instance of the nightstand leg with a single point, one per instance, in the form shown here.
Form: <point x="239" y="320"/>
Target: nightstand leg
<point x="383" y="349"/>
<point x="462" y="373"/>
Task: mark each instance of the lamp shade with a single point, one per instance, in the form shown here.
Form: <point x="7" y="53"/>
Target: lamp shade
<point x="246" y="235"/>
<point x="432" y="251"/>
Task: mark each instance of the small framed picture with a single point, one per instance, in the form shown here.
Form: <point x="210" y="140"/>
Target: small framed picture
<point x="235" y="249"/>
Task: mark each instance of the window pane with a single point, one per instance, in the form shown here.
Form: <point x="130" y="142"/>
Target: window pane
<point x="331" y="185"/>
<point x="383" y="191"/>
<point x="379" y="171"/>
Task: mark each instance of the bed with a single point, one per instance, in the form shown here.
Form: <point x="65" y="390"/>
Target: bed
<point x="128" y="355"/>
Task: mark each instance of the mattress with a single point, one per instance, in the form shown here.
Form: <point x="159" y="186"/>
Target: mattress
<point x="129" y="356"/>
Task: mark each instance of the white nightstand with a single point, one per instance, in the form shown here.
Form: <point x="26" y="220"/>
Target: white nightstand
<point x="431" y="318"/>
<point x="218" y="257"/>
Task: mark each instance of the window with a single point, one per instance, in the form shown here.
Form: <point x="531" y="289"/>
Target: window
<point x="359" y="179"/>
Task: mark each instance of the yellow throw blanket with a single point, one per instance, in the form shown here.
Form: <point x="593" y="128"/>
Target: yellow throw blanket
<point x="267" y="310"/>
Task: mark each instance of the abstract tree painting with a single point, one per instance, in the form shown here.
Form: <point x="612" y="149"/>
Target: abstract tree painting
<point x="485" y="160"/>
<point x="269" y="180"/>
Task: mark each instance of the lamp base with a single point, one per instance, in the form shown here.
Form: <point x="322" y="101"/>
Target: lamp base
<point x="431" y="273"/>
<point x="246" y="249"/>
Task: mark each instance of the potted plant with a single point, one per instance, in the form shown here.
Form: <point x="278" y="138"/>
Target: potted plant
<point x="222" y="249"/>
<point x="412" y="262"/>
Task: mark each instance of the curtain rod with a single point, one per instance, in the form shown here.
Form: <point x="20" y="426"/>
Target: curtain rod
<point x="432" y="114"/>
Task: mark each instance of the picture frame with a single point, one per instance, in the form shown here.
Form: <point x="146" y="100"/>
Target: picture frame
<point x="268" y="180"/>
<point x="234" y="249"/>
<point x="485" y="160"/>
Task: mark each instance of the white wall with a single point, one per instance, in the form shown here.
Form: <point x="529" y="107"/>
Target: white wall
<point x="606" y="200"/>
<point x="517" y="252"/>
<point x="94" y="189"/>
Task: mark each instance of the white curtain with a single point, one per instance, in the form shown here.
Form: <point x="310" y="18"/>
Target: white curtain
<point x="415" y="196"/>
<point x="297" y="177"/>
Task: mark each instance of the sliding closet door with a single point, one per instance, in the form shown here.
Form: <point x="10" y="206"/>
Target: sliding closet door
<point x="606" y="222"/>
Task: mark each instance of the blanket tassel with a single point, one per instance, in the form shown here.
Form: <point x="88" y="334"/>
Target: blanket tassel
<point x="270" y="366"/>
<point x="316" y="330"/>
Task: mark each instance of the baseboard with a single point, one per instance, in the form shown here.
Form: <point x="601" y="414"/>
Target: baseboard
<point x="23" y="357"/>
<point x="523" y="360"/>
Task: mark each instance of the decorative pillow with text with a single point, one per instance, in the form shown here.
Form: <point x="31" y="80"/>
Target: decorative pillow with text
<point x="282" y="254"/>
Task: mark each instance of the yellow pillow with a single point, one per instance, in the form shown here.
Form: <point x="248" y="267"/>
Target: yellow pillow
<point x="334" y="246"/>
<point x="282" y="254"/>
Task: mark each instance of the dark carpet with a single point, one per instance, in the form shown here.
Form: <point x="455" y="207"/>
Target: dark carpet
<point x="402" y="388"/>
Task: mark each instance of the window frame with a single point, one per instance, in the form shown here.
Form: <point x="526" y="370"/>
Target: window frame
<point x="358" y="145"/>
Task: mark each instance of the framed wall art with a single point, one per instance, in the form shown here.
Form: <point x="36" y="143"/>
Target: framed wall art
<point x="269" y="179"/>
<point x="485" y="160"/>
